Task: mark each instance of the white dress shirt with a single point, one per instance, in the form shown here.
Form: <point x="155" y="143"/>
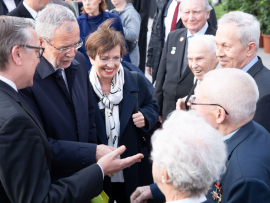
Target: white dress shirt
<point x="10" y="4"/>
<point x="168" y="19"/>
<point x="200" y="199"/>
<point x="30" y="10"/>
<point x="9" y="82"/>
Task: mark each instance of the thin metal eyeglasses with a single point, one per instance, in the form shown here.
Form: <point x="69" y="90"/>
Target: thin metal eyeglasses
<point x="40" y="49"/>
<point x="114" y="60"/>
<point x="192" y="99"/>
<point x="67" y="49"/>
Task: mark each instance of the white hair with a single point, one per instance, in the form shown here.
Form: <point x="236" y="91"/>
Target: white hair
<point x="207" y="6"/>
<point x="248" y="26"/>
<point x="192" y="152"/>
<point x="233" y="89"/>
<point x="52" y="17"/>
<point x="203" y="40"/>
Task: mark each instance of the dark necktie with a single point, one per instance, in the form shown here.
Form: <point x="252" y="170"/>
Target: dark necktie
<point x="175" y="15"/>
<point x="59" y="75"/>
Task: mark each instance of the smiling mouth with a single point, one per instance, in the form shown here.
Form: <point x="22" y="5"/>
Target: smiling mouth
<point x="197" y="71"/>
<point x="108" y="70"/>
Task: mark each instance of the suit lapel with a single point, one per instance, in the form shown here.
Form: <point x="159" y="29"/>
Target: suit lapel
<point x="257" y="67"/>
<point x="23" y="11"/>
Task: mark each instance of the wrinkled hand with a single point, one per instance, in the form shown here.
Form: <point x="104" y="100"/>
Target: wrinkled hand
<point x="180" y="104"/>
<point x="141" y="195"/>
<point x="111" y="164"/>
<point x="160" y="118"/>
<point x="138" y="120"/>
<point x="149" y="70"/>
<point x="103" y="150"/>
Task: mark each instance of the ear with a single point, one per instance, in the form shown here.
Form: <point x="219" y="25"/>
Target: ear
<point x="251" y="48"/>
<point x="164" y="175"/>
<point x="207" y="15"/>
<point x="91" y="60"/>
<point x="41" y="42"/>
<point x="16" y="55"/>
<point x="220" y="115"/>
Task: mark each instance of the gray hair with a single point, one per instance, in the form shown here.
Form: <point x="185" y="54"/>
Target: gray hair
<point x="14" y="31"/>
<point x="248" y="26"/>
<point x="192" y="152"/>
<point x="233" y="89"/>
<point x="208" y="40"/>
<point x="52" y="17"/>
<point x="207" y="6"/>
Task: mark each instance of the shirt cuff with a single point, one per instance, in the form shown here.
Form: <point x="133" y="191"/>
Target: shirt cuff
<point x="101" y="170"/>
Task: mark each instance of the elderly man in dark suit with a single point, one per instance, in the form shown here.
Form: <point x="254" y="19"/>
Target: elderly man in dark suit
<point x="25" y="154"/>
<point x="237" y="44"/>
<point x="8" y="5"/>
<point x="174" y="78"/>
<point x="61" y="96"/>
<point x="162" y="25"/>
<point x="227" y="99"/>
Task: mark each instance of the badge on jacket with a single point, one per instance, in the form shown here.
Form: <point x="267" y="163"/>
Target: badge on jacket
<point x="218" y="193"/>
<point x="173" y="50"/>
<point x="181" y="39"/>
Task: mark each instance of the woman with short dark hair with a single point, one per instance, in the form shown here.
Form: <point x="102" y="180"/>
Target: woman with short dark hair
<point x="94" y="14"/>
<point x="117" y="123"/>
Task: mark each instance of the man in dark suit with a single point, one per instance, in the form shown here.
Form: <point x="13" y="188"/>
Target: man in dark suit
<point x="61" y="96"/>
<point x="174" y="78"/>
<point x="161" y="27"/>
<point x="227" y="100"/>
<point x="25" y="154"/>
<point x="241" y="52"/>
<point x="4" y="8"/>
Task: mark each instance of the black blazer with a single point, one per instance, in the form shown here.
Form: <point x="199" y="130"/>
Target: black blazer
<point x="169" y="85"/>
<point x="261" y="76"/>
<point x="25" y="158"/>
<point x="3" y="7"/>
<point x="20" y="11"/>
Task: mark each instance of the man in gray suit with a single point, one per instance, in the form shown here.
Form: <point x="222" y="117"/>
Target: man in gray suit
<point x="174" y="78"/>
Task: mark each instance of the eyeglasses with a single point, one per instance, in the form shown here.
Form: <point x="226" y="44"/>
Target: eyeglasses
<point x="192" y="99"/>
<point x="40" y="49"/>
<point x="67" y="49"/>
<point x="114" y="60"/>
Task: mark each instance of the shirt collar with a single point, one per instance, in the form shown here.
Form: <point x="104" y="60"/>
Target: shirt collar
<point x="250" y="64"/>
<point x="31" y="11"/>
<point x="201" y="198"/>
<point x="9" y="82"/>
<point x="230" y="135"/>
<point x="200" y="32"/>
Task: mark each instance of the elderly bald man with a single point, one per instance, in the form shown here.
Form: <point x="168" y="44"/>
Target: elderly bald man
<point x="237" y="43"/>
<point x="201" y="59"/>
<point x="226" y="99"/>
<point x="174" y="78"/>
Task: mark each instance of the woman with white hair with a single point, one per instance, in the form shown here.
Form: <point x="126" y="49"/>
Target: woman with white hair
<point x="201" y="60"/>
<point x="192" y="159"/>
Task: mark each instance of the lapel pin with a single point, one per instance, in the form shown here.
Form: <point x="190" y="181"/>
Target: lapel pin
<point x="173" y="50"/>
<point x="181" y="39"/>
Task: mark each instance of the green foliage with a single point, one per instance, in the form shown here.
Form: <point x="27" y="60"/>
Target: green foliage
<point x="219" y="11"/>
<point x="258" y="8"/>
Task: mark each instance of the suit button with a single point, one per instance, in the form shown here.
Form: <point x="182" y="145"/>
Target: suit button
<point x="83" y="161"/>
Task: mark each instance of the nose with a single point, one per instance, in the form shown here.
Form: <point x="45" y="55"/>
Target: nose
<point x="110" y="64"/>
<point x="71" y="53"/>
<point x="194" y="64"/>
<point x="219" y="51"/>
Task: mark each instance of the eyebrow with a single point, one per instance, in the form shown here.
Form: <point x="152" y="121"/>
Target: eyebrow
<point x="192" y="10"/>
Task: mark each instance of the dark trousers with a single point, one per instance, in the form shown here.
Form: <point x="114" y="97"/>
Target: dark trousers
<point x="119" y="193"/>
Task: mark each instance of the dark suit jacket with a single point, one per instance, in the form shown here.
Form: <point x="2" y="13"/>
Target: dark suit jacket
<point x="261" y="76"/>
<point x="247" y="177"/>
<point x="138" y="174"/>
<point x="20" y="11"/>
<point x="25" y="159"/>
<point x="156" y="43"/>
<point x="170" y="84"/>
<point x="3" y="7"/>
<point x="68" y="120"/>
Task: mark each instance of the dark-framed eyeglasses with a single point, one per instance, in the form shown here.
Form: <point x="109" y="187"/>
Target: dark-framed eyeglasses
<point x="193" y="98"/>
<point x="40" y="49"/>
<point x="67" y="49"/>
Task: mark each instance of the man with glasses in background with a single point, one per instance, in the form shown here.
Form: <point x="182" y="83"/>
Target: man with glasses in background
<point x="61" y="96"/>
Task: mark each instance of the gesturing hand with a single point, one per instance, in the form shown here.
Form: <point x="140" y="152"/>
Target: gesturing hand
<point x="103" y="150"/>
<point x="138" y="119"/>
<point x="141" y="195"/>
<point x="111" y="164"/>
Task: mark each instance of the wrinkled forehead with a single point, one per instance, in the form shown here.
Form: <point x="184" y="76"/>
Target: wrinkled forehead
<point x="192" y="5"/>
<point x="199" y="49"/>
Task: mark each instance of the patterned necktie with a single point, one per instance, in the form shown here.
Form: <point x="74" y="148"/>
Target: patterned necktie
<point x="175" y="15"/>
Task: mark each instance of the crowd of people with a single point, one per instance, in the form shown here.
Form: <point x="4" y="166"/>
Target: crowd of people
<point x="79" y="120"/>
